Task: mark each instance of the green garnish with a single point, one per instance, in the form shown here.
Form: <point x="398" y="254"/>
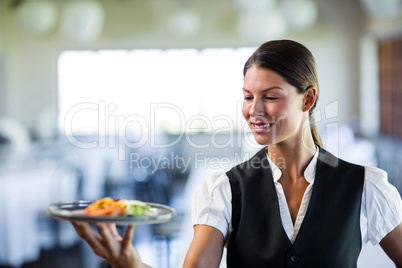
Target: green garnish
<point x="137" y="208"/>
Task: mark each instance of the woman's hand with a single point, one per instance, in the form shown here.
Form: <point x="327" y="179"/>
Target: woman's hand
<point x="108" y="244"/>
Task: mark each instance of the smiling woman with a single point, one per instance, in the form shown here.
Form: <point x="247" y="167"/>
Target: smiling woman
<point x="295" y="66"/>
<point x="269" y="106"/>
<point x="293" y="202"/>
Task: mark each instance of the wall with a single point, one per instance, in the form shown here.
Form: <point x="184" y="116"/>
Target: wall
<point x="28" y="64"/>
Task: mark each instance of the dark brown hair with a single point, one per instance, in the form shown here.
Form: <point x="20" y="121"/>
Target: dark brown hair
<point x="296" y="64"/>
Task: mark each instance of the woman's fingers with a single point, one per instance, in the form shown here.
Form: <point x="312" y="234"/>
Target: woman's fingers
<point x="109" y="245"/>
<point x="120" y="250"/>
<point x="79" y="227"/>
<point x="113" y="230"/>
<point x="110" y="240"/>
<point x="128" y="238"/>
<point x="85" y="231"/>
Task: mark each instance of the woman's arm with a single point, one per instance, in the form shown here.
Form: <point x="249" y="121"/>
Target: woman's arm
<point x="108" y="244"/>
<point x="205" y="249"/>
<point x="392" y="245"/>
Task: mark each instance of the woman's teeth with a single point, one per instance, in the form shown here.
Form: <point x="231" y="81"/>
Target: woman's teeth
<point x="263" y="125"/>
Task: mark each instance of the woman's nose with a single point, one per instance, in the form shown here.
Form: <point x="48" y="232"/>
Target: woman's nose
<point x="257" y="108"/>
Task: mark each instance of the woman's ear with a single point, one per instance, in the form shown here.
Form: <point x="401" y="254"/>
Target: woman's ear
<point x="309" y="98"/>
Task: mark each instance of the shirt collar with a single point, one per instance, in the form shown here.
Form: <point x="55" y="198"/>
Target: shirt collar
<point x="309" y="172"/>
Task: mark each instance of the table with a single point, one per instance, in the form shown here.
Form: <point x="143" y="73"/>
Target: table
<point x="25" y="194"/>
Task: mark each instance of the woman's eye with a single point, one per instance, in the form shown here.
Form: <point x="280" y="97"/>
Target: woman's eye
<point x="248" y="98"/>
<point x="271" y="98"/>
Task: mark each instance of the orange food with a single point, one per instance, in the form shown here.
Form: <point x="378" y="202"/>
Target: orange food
<point x="106" y="207"/>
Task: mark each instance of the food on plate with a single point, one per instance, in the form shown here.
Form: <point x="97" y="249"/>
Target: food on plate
<point x="106" y="207"/>
<point x="117" y="207"/>
<point x="137" y="208"/>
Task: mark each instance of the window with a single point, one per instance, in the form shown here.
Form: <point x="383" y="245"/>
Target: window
<point x="173" y="90"/>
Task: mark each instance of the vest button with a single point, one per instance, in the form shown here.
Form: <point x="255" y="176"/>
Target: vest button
<point x="295" y="259"/>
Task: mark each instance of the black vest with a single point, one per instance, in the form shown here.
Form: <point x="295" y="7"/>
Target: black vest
<point x="329" y="236"/>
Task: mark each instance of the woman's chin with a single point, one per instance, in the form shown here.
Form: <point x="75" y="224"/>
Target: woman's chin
<point x="262" y="140"/>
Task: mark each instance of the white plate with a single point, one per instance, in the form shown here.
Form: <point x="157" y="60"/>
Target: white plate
<point x="70" y="211"/>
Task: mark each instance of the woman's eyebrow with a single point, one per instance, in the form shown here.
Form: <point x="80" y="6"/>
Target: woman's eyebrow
<point x="264" y="90"/>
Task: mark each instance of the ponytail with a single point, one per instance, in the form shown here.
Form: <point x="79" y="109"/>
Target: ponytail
<point x="314" y="131"/>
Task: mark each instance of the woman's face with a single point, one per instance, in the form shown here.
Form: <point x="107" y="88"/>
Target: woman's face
<point x="272" y="107"/>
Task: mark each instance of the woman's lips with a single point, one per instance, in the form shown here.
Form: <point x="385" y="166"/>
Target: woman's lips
<point x="261" y="127"/>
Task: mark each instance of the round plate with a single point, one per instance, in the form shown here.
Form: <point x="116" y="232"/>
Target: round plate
<point x="72" y="211"/>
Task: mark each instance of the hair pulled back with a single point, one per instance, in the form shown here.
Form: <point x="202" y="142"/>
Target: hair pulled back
<point x="296" y="64"/>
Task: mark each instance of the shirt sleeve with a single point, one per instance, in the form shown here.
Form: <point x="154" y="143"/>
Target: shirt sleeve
<point x="212" y="203"/>
<point x="383" y="204"/>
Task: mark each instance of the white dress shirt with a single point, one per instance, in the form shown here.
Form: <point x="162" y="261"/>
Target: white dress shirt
<point x="381" y="207"/>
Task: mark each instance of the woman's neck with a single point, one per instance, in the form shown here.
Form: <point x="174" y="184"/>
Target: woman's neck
<point x="292" y="158"/>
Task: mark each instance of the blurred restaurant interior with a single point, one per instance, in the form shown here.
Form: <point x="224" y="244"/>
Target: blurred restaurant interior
<point x="141" y="99"/>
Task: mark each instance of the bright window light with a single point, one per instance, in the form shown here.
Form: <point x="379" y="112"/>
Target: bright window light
<point x="172" y="90"/>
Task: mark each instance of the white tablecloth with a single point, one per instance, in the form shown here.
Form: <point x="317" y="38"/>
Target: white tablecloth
<point x="25" y="194"/>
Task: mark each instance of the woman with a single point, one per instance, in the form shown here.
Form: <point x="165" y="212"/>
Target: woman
<point x="293" y="203"/>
